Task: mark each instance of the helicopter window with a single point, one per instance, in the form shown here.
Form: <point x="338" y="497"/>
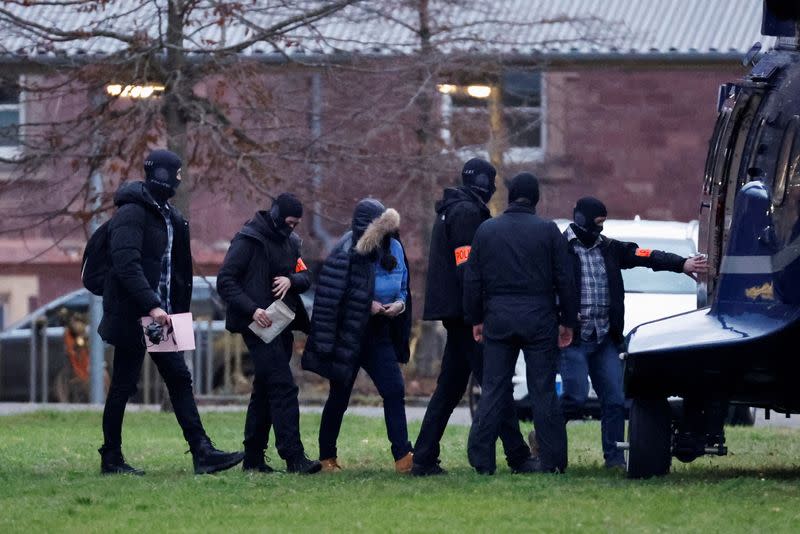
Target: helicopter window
<point x="785" y="164"/>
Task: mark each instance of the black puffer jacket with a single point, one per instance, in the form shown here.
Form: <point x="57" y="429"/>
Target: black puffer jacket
<point x="137" y="241"/>
<point x="618" y="255"/>
<point x="259" y="253"/>
<point x="458" y="215"/>
<point x="344" y="296"/>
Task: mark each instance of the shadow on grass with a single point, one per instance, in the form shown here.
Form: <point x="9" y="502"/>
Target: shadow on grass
<point x="721" y="474"/>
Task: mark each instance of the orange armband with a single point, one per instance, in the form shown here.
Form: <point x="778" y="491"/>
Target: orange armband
<point x="643" y="252"/>
<point x="462" y="254"/>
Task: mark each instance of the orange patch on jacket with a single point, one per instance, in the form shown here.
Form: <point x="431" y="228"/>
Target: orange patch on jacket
<point x="462" y="254"/>
<point x="643" y="252"/>
<point x="301" y="266"/>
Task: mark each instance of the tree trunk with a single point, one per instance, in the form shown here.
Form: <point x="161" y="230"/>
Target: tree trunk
<point x="176" y="94"/>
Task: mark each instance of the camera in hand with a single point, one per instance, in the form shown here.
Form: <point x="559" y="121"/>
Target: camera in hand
<point x="155" y="333"/>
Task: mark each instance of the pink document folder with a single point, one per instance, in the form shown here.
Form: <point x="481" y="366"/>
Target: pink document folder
<point x="175" y="338"/>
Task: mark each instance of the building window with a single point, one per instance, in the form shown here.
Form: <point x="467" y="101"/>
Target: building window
<point x="468" y="123"/>
<point x="10" y="118"/>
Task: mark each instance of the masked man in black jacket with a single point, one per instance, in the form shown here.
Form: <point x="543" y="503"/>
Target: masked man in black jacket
<point x="597" y="264"/>
<point x="263" y="264"/>
<point x="151" y="274"/>
<point x="458" y="215"/>
<point x="518" y="294"/>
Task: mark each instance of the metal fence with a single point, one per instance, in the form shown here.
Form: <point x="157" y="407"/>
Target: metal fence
<point x="35" y="364"/>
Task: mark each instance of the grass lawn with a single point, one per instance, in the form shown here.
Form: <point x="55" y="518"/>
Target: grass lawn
<point x="49" y="482"/>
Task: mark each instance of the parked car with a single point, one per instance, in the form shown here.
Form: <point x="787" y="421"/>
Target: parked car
<point x="61" y="364"/>
<point x="648" y="295"/>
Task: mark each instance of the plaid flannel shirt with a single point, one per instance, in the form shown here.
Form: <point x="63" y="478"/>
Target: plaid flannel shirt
<point x="166" y="263"/>
<point x="594" y="313"/>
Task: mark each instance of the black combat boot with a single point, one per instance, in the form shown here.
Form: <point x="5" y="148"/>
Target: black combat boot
<point x="303" y="465"/>
<point x="255" y="461"/>
<point x="113" y="463"/>
<point x="208" y="459"/>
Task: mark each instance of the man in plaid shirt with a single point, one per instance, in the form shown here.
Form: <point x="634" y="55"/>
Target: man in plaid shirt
<point x="598" y="262"/>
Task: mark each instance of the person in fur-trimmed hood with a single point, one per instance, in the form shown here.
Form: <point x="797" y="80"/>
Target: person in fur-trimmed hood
<point x="362" y="319"/>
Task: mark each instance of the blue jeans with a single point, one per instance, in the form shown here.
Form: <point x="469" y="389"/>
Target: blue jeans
<point x="378" y="359"/>
<point x="601" y="362"/>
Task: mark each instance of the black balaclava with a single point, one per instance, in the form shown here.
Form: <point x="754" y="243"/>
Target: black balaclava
<point x="286" y="205"/>
<point x="478" y="175"/>
<point x="586" y="211"/>
<point x="161" y="174"/>
<point x="524" y="189"/>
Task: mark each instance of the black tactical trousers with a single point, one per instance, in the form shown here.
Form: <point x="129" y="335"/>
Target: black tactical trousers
<point x="273" y="400"/>
<point x="125" y="377"/>
<point x="462" y="356"/>
<point x="497" y="403"/>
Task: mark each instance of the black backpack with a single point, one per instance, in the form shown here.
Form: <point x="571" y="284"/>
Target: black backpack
<point x="96" y="260"/>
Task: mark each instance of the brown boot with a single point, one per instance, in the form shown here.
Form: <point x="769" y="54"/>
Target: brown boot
<point x="330" y="465"/>
<point x="404" y="464"/>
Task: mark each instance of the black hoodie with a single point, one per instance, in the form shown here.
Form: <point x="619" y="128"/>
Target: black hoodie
<point x="259" y="253"/>
<point x="137" y="241"/>
<point x="458" y="215"/>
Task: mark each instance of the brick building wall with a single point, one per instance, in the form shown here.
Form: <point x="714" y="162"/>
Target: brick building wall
<point x="634" y="135"/>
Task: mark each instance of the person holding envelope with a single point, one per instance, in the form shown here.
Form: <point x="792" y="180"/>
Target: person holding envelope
<point x="150" y="274"/>
<point x="263" y="265"/>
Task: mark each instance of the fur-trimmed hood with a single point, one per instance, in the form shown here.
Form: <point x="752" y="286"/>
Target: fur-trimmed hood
<point x="388" y="223"/>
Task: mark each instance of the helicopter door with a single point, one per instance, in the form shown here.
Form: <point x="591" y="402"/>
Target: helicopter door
<point x="730" y="148"/>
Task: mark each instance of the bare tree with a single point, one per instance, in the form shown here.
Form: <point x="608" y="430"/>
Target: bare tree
<point x="335" y="99"/>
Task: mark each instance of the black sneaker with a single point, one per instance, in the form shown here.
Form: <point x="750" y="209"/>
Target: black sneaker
<point x="113" y="463"/>
<point x="256" y="462"/>
<point x="208" y="459"/>
<point x="419" y="470"/>
<point x="303" y="465"/>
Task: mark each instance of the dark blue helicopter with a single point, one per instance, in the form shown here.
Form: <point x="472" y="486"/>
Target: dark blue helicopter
<point x="741" y="349"/>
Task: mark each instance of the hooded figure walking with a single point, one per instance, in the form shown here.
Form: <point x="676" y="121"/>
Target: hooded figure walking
<point x="362" y="319"/>
<point x="150" y="274"/>
<point x="263" y="264"/>
<point x="518" y="294"/>
<point x="458" y="216"/>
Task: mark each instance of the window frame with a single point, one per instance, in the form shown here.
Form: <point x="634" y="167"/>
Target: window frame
<point x="512" y="154"/>
<point x="12" y="152"/>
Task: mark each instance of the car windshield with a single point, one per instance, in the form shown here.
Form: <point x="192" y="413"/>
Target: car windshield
<point x="643" y="280"/>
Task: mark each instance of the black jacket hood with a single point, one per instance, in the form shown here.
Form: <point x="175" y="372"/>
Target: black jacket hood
<point x="366" y="211"/>
<point x="262" y="227"/>
<point x="134" y="193"/>
<point x="454" y="195"/>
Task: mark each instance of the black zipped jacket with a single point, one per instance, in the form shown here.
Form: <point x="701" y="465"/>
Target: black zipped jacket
<point x="258" y="253"/>
<point x="518" y="281"/>
<point x="458" y="215"/>
<point x="137" y="241"/>
<point x="618" y="255"/>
